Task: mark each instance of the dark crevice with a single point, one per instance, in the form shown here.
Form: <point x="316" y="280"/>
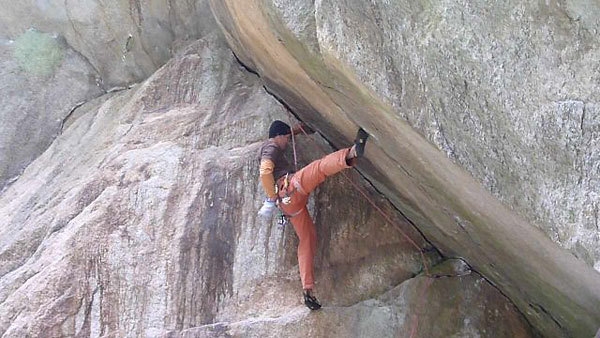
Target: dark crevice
<point x="247" y="68"/>
<point x="284" y="104"/>
<point x="68" y="116"/>
<point x="492" y="284"/>
<point x="543" y="310"/>
<point x="471" y="270"/>
<point x="582" y="122"/>
<point x="81" y="103"/>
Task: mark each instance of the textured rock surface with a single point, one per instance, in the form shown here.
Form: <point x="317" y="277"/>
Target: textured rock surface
<point x="446" y="89"/>
<point x="140" y="220"/>
<point x="125" y="41"/>
<point x="38" y="93"/>
<point x="415" y="308"/>
<point x="102" y="45"/>
<point x="509" y="91"/>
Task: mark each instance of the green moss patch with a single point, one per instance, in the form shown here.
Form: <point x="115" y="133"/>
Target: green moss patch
<point x="38" y="53"/>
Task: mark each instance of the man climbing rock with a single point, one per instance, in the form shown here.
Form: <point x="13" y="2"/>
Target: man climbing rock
<point x="289" y="191"/>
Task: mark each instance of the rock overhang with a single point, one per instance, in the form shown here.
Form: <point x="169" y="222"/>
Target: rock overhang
<point x="451" y="208"/>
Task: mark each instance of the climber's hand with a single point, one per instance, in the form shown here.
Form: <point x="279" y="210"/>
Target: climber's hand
<point x="266" y="211"/>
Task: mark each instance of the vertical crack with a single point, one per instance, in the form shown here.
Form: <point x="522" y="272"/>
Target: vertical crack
<point x="582" y="121"/>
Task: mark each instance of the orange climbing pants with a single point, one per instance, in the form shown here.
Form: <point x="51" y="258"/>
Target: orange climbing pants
<point x="300" y="186"/>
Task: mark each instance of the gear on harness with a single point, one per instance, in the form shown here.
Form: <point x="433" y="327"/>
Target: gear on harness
<point x="286" y="199"/>
<point x="282" y="220"/>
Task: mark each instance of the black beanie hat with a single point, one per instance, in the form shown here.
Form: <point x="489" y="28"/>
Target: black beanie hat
<point x="279" y="128"/>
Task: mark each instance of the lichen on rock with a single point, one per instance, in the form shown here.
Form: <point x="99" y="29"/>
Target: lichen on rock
<point x="38" y="53"/>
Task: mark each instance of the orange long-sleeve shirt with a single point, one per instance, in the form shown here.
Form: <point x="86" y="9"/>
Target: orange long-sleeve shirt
<point x="273" y="165"/>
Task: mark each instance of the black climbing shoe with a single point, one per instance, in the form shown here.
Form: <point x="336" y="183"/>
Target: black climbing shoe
<point x="311" y="301"/>
<point x="360" y="142"/>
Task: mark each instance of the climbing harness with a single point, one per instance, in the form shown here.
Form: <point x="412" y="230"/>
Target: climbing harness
<point x="284" y="218"/>
<point x="287" y="198"/>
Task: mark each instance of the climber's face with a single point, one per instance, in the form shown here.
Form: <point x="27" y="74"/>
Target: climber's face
<point x="282" y="140"/>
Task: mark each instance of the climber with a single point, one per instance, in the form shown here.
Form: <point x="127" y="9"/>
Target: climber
<point x="289" y="191"/>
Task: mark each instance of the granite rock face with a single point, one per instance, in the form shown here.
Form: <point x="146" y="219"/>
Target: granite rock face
<point x="508" y="91"/>
<point x="140" y="220"/>
<point x="133" y="212"/>
<point x="416" y="308"/>
<point x="56" y="55"/>
<point x="124" y="41"/>
<point x="483" y="123"/>
<point x="42" y="82"/>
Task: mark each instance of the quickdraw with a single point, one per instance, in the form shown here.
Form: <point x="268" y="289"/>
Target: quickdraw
<point x="282" y="219"/>
<point x="286" y="199"/>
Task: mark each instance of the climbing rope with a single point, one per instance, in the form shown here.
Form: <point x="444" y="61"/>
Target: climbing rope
<point x="429" y="280"/>
<point x="374" y="205"/>
<point x="294" y="147"/>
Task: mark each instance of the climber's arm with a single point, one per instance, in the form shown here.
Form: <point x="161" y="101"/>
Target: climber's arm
<point x="267" y="179"/>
